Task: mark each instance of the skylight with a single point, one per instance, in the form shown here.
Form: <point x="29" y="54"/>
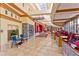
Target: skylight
<point x="41" y="6"/>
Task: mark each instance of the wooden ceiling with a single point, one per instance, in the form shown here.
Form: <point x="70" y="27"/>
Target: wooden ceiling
<point x="65" y="13"/>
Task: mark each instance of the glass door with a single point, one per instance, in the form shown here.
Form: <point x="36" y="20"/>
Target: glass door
<point x="31" y="31"/>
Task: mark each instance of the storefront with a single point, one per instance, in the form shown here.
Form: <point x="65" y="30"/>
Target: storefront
<point x="38" y="28"/>
<point x="7" y="26"/>
<point x="69" y="37"/>
<point x="28" y="28"/>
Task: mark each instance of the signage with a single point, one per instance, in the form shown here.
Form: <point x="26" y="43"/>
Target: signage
<point x="38" y="18"/>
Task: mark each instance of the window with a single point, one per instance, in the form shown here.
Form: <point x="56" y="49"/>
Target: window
<point x="11" y="14"/>
<point x="6" y="12"/>
<point x="15" y="16"/>
<point x="23" y="4"/>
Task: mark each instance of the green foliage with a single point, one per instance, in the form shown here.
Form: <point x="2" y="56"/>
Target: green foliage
<point x="14" y="32"/>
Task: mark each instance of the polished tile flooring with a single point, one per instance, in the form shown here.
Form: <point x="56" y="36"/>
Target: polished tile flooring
<point x="40" y="46"/>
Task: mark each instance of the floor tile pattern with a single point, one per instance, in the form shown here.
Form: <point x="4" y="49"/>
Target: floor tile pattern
<point x="40" y="46"/>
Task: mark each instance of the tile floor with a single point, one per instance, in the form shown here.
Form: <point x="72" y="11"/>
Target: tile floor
<point x="40" y="46"/>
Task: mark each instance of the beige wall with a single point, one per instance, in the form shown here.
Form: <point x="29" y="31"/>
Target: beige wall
<point x="25" y="8"/>
<point x="5" y="22"/>
<point x="27" y="20"/>
<point x="29" y="8"/>
<point x="9" y="13"/>
<point x="0" y="32"/>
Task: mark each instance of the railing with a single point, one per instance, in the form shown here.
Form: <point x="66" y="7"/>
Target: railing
<point x="68" y="50"/>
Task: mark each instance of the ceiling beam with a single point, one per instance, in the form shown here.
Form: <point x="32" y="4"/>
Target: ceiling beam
<point x="59" y="24"/>
<point x="17" y="8"/>
<point x="61" y="19"/>
<point x="3" y="5"/>
<point x="68" y="20"/>
<point x="44" y="21"/>
<point x="67" y="10"/>
<point x="53" y="11"/>
<point x="41" y="14"/>
<point x="9" y="18"/>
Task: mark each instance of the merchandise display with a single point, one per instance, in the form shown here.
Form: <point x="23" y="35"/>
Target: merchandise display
<point x="77" y="43"/>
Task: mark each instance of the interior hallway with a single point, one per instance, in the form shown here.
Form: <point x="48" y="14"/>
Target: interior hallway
<point x="41" y="46"/>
